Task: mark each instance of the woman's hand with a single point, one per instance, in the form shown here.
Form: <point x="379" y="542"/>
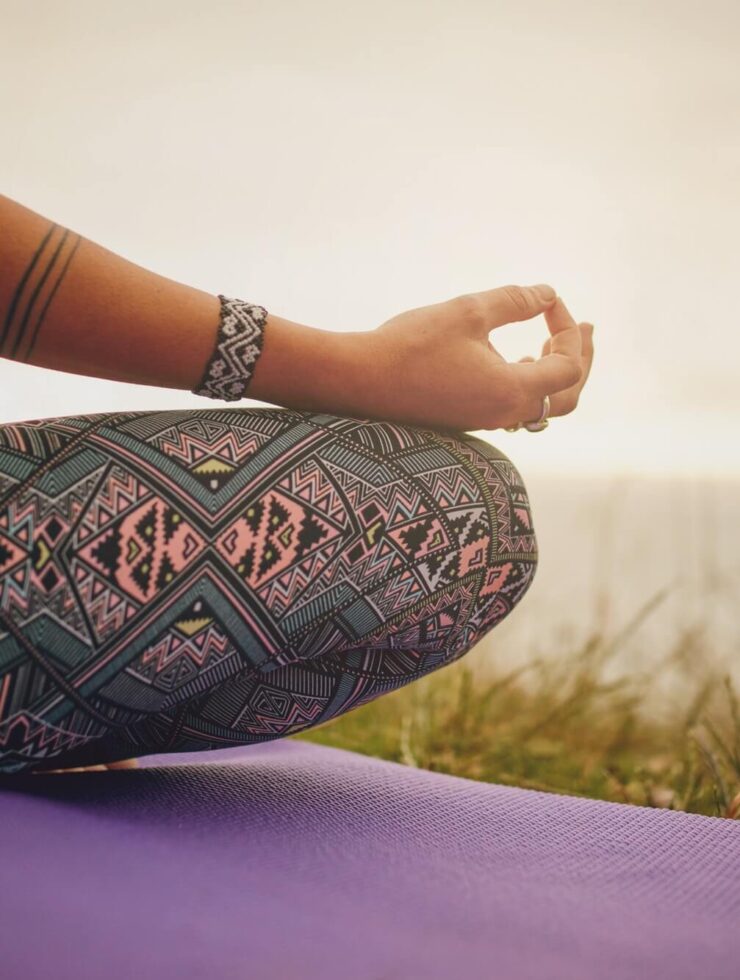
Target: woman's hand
<point x="433" y="366"/>
<point x="436" y="366"/>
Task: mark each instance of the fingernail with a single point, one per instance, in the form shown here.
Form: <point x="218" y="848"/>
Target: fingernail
<point x="546" y="293"/>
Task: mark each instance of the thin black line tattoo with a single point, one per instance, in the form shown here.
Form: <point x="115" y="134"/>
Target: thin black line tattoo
<point x="24" y="286"/>
<point x="51" y="297"/>
<point x="21" y="284"/>
<point x="37" y="290"/>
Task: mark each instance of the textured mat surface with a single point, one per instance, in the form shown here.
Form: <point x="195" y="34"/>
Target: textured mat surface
<point x="291" y="860"/>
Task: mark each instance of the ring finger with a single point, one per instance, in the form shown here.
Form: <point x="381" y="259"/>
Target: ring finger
<point x="564" y="402"/>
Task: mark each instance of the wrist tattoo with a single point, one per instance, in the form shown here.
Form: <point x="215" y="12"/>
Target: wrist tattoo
<point x="238" y="346"/>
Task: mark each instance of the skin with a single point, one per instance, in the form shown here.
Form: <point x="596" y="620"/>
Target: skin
<point x="69" y="304"/>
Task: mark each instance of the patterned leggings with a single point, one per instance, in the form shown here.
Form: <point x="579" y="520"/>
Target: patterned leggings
<point x="173" y="581"/>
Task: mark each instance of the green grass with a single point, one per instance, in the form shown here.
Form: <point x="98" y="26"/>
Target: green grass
<point x="557" y="726"/>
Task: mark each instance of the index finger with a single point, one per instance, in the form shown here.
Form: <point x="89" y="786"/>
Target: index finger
<point x="561" y="367"/>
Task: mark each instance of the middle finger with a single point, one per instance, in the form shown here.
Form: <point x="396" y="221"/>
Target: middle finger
<point x="563" y="402"/>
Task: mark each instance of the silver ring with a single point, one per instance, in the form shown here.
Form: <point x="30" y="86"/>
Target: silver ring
<point x="542" y="422"/>
<point x="539" y="424"/>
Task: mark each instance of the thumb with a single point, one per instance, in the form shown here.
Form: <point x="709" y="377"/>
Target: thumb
<point x="505" y="304"/>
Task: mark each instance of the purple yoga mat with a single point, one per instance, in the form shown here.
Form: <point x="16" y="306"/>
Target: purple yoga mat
<point x="293" y="861"/>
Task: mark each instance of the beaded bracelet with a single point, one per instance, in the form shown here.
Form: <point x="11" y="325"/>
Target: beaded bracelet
<point x="238" y="346"/>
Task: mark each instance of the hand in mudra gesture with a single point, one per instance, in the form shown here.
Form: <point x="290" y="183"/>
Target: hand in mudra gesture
<point x="439" y="368"/>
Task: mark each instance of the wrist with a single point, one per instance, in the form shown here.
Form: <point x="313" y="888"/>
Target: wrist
<point x="311" y="369"/>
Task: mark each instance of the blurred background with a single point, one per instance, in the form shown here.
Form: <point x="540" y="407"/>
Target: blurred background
<point x="340" y="162"/>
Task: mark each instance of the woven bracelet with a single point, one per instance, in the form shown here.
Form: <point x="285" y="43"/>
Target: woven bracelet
<point x="241" y="334"/>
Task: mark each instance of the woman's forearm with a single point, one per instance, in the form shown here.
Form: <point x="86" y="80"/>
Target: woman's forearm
<point x="72" y="305"/>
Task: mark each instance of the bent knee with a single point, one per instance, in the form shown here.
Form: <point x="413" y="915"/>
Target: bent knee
<point x="510" y="508"/>
<point x="507" y="530"/>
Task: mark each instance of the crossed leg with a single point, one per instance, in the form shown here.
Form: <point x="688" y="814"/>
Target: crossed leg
<point x="188" y="580"/>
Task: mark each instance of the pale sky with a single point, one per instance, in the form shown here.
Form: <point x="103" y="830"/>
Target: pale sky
<point x="340" y="162"/>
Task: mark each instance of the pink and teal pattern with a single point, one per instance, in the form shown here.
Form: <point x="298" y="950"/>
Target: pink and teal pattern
<point x="187" y="580"/>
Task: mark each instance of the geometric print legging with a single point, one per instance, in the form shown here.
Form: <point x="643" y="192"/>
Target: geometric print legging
<point x="192" y="580"/>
